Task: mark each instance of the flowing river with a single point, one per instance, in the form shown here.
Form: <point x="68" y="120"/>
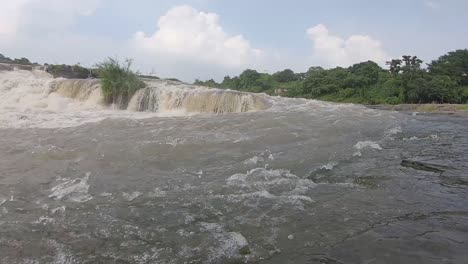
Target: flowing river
<point x="187" y="174"/>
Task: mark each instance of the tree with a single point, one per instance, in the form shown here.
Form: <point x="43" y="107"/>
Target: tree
<point x="227" y="81"/>
<point x="22" y="61"/>
<point x="231" y="83"/>
<point x="285" y="76"/>
<point x="369" y="71"/>
<point x="442" y="89"/>
<point x="454" y="64"/>
<point x="248" y="79"/>
<point x="265" y="82"/>
<point x="322" y="82"/>
<point x="210" y="83"/>
<point x="198" y="82"/>
<point x="395" y="66"/>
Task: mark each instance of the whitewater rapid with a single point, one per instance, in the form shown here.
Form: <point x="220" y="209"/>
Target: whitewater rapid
<point x="35" y="99"/>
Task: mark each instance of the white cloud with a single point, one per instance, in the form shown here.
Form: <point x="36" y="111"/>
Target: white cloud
<point x="188" y="34"/>
<point x="10" y="12"/>
<point x="333" y="50"/>
<point x="41" y="16"/>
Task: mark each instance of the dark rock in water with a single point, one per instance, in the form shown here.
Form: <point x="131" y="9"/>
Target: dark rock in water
<point x="320" y="175"/>
<point x="323" y="259"/>
<point x="70" y="72"/>
<point x="423" y="166"/>
<point x="12" y="67"/>
<point x="5" y="67"/>
<point x="245" y="250"/>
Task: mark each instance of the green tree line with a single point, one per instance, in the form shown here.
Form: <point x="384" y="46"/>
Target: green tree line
<point x="444" y="80"/>
<point x="21" y="61"/>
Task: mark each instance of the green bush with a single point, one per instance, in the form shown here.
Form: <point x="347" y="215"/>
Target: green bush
<point x="118" y="82"/>
<point x="70" y="72"/>
<point x="464" y="94"/>
<point x="345" y="93"/>
<point x="393" y="100"/>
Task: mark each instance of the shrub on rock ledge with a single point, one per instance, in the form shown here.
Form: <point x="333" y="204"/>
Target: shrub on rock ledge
<point x="118" y="82"/>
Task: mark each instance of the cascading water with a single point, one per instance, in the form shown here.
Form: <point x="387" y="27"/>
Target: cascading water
<point x="41" y="100"/>
<point x="163" y="96"/>
<point x="79" y="89"/>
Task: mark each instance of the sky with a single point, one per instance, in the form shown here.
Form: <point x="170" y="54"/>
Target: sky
<point x="214" y="38"/>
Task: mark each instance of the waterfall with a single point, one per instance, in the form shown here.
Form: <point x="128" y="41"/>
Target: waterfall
<point x="195" y="100"/>
<point x="79" y="89"/>
<point x="162" y="96"/>
<point x="38" y="90"/>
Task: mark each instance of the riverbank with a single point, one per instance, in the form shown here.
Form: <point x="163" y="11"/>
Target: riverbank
<point x="424" y="108"/>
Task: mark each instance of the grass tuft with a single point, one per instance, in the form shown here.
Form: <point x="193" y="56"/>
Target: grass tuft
<point x="118" y="82"/>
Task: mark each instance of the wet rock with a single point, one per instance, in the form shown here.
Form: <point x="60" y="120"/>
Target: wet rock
<point x="323" y="259"/>
<point x="245" y="251"/>
<point x="423" y="166"/>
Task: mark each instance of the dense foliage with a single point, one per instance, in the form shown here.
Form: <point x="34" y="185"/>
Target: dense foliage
<point x="445" y="80"/>
<point x="118" y="82"/>
<point x="22" y="61"/>
<point x="71" y="72"/>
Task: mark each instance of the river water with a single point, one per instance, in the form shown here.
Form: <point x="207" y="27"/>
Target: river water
<point x="190" y="175"/>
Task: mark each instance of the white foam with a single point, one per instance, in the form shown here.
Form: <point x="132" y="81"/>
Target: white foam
<point x="367" y="144"/>
<point x="329" y="166"/>
<point x="44" y="220"/>
<point x="60" y="209"/>
<point x="430" y="137"/>
<point x="394" y="131"/>
<point x="75" y="190"/>
<point x="411" y="138"/>
<point x="228" y="245"/>
<point x="265" y="155"/>
<point x="278" y="185"/>
<point x="254" y="160"/>
<point x="62" y="254"/>
<point x="157" y="193"/>
<point x="357" y="154"/>
<point x="131" y="196"/>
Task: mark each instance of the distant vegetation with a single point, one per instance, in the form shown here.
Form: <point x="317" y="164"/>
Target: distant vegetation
<point x="173" y="79"/>
<point x="71" y="72"/>
<point x="118" y="82"/>
<point x="445" y="80"/>
<point x="149" y="77"/>
<point x="22" y="61"/>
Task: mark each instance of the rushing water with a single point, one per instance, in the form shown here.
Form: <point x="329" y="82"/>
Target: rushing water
<point x="270" y="180"/>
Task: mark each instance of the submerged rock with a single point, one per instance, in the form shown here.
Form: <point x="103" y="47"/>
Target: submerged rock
<point x="423" y="166"/>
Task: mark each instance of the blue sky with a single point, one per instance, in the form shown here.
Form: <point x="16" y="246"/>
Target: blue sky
<point x="212" y="38"/>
